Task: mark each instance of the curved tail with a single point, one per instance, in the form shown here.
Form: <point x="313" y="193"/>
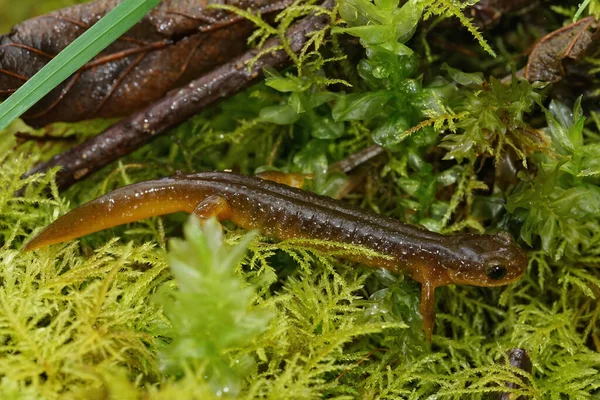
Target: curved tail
<point x="127" y="204"/>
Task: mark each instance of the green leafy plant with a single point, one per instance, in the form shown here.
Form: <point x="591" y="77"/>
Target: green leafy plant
<point x="210" y="312"/>
<point x="393" y="102"/>
<point x="491" y="118"/>
<point x="564" y="190"/>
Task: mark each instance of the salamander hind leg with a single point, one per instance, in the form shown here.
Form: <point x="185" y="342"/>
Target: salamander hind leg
<point x="213" y="206"/>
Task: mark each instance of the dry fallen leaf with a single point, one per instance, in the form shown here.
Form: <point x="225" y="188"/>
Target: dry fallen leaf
<point x="572" y="41"/>
<point x="178" y="41"/>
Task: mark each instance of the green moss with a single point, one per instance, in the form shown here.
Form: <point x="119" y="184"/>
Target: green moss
<point x="105" y="317"/>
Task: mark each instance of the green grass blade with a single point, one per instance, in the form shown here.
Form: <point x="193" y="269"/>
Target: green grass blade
<point x="80" y="51"/>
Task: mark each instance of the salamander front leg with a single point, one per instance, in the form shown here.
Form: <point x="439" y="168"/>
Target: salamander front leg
<point x="427" y="309"/>
<point x="213" y="206"/>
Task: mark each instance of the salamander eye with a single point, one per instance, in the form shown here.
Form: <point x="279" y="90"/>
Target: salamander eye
<point x="495" y="271"/>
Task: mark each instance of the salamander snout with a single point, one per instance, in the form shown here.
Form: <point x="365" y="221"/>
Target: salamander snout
<point x="488" y="260"/>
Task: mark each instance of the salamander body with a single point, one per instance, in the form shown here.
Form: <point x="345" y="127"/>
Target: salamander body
<point x="286" y="212"/>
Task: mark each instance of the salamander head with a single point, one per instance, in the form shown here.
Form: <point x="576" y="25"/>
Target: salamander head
<point x="486" y="260"/>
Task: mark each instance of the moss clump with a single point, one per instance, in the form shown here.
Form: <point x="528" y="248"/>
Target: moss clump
<point x="105" y="316"/>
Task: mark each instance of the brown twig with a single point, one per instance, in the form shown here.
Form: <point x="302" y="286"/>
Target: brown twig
<point x="177" y="106"/>
<point x="357" y="159"/>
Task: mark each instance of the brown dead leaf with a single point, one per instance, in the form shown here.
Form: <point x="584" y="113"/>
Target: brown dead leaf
<point x="570" y="42"/>
<point x="177" y="42"/>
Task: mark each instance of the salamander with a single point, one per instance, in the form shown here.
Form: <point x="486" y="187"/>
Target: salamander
<point x="286" y="212"/>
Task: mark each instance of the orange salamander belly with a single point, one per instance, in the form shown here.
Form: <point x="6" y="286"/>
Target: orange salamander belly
<point x="286" y="212"/>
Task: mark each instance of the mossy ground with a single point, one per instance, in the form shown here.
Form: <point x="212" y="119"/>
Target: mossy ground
<point x="121" y="314"/>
